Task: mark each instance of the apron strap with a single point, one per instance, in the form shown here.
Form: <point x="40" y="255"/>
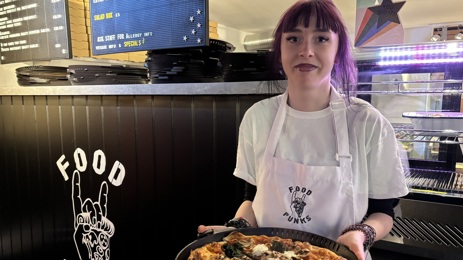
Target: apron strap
<point x="343" y="154"/>
<point x="277" y="126"/>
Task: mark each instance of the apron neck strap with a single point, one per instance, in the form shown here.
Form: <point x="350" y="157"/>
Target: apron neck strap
<point x="343" y="155"/>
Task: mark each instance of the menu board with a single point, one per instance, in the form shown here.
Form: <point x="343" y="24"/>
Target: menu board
<point x="119" y="26"/>
<point x="33" y="30"/>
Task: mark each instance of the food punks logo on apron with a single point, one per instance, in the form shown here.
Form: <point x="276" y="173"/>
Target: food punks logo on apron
<point x="299" y="197"/>
<point x="92" y="227"/>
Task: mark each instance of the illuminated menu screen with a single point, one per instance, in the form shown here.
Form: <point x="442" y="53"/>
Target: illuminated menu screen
<point x="124" y="26"/>
<point x="33" y="30"/>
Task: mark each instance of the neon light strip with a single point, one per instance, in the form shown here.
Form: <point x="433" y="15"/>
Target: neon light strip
<point x="454" y="49"/>
<point x="420" y="52"/>
<point x="407" y="62"/>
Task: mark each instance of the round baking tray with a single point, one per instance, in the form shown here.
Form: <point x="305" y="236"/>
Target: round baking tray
<point x="313" y="239"/>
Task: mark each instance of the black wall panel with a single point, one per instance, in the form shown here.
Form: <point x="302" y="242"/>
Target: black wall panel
<point x="176" y="155"/>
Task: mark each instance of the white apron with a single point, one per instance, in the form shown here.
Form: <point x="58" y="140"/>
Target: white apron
<point x="315" y="199"/>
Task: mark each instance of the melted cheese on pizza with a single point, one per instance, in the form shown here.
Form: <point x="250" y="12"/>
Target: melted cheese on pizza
<point x="237" y="246"/>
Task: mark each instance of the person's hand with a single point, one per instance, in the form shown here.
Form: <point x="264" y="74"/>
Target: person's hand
<point x="354" y="240"/>
<point x="203" y="228"/>
<point x="207" y="230"/>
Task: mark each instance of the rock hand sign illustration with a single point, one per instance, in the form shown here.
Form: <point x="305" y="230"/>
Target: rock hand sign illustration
<point x="298" y="204"/>
<point x="92" y="230"/>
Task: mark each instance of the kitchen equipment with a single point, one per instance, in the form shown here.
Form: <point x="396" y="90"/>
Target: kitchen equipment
<point x="436" y="120"/>
<point x="427" y="221"/>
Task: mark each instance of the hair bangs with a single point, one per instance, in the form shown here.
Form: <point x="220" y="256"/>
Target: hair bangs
<point x="301" y="13"/>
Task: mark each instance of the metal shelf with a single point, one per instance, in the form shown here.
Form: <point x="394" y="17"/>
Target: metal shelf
<point x="436" y="182"/>
<point x="428" y="136"/>
<point x="400" y="89"/>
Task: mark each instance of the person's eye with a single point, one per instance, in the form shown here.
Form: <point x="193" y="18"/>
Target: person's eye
<point x="292" y="39"/>
<point x="322" y="39"/>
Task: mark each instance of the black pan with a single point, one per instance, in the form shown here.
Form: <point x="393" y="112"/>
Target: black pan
<point x="313" y="239"/>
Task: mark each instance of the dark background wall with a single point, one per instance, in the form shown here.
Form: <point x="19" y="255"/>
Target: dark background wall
<point x="178" y="154"/>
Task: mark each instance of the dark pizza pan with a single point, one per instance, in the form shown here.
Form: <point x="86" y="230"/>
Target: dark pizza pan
<point x="115" y="69"/>
<point x="313" y="239"/>
<point x="28" y="69"/>
<point x="214" y="45"/>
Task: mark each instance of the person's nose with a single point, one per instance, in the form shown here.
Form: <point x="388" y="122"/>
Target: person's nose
<point x="306" y="49"/>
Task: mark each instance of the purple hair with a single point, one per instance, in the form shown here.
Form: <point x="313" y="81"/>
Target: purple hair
<point x="344" y="73"/>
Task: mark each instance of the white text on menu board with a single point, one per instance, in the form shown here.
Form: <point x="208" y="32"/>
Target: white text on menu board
<point x="6" y="24"/>
<point x="128" y="39"/>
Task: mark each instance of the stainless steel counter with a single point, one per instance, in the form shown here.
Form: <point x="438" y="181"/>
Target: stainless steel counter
<point x="218" y="88"/>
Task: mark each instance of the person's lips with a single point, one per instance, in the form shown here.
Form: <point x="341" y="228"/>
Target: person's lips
<point x="306" y="67"/>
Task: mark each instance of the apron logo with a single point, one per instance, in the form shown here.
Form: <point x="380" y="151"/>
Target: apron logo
<point x="298" y="203"/>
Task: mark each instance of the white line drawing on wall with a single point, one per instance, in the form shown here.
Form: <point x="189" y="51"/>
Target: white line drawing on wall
<point x="92" y="229"/>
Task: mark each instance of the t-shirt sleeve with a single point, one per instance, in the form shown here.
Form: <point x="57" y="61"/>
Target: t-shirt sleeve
<point x="245" y="157"/>
<point x="387" y="163"/>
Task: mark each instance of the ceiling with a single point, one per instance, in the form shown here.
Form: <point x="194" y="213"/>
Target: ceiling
<point x="254" y="16"/>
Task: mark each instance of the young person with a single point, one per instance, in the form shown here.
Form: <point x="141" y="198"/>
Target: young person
<point x="314" y="159"/>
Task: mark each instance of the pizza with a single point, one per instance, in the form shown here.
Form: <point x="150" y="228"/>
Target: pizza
<point x="238" y="246"/>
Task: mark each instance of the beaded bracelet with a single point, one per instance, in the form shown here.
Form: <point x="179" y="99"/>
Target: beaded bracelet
<point x="367" y="230"/>
<point x="239" y="222"/>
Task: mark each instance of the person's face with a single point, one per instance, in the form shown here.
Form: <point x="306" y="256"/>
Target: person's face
<point x="308" y="55"/>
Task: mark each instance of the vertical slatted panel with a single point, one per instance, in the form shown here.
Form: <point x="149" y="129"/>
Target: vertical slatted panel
<point x="127" y="155"/>
<point x="4" y="230"/>
<point x="13" y="175"/>
<point x="204" y="167"/>
<point x="178" y="152"/>
<point x="20" y="190"/>
<point x="162" y="225"/>
<point x="45" y="108"/>
<point x="32" y="161"/>
<point x="63" y="129"/>
<point x="182" y="145"/>
<point x="203" y="158"/>
<point x="7" y="218"/>
<point x="184" y="202"/>
<point x="144" y="141"/>
<point x="225" y="114"/>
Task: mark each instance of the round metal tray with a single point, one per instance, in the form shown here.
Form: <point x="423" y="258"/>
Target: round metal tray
<point x="313" y="239"/>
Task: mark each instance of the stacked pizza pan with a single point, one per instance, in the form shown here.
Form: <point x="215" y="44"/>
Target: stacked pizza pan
<point x="248" y="66"/>
<point x="103" y="75"/>
<point x="186" y="65"/>
<point x="42" y="76"/>
<point x="214" y="63"/>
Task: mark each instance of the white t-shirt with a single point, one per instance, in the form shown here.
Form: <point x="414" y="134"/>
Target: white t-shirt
<point x="309" y="138"/>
